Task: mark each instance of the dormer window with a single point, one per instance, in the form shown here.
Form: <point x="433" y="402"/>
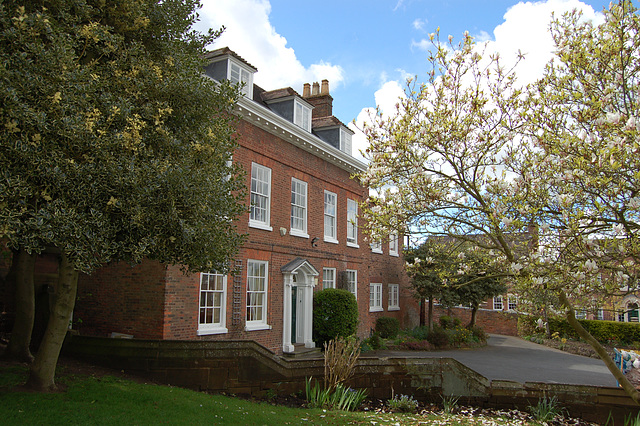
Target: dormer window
<point x="302" y="116"/>
<point x="345" y="141"/>
<point x="243" y="77"/>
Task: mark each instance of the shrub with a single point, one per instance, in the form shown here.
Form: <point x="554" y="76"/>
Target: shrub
<point x="421" y="332"/>
<point x="603" y="331"/>
<point x="458" y="335"/>
<point x="335" y="313"/>
<point x="438" y="337"/>
<point x="479" y="335"/>
<point x="387" y="327"/>
<point x="448" y="322"/>
<point x="402" y="404"/>
<point x="340" y="357"/>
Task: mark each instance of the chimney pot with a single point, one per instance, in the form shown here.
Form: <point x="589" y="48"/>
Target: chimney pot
<point x="306" y="90"/>
<point x="316" y="89"/>
<point x="325" y="87"/>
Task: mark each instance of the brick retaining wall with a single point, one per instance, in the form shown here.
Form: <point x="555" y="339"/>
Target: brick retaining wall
<point x="245" y="367"/>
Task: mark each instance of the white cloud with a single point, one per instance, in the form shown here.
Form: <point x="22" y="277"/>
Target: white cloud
<point x="482" y="36"/>
<point x="386" y="98"/>
<point x="250" y="34"/>
<point x="419" y="24"/>
<point x="526" y="27"/>
<point x="423" y="44"/>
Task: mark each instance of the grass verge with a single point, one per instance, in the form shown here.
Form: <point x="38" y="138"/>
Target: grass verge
<point x="111" y="400"/>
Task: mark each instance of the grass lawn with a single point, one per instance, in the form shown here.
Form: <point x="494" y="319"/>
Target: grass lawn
<point x="109" y="400"/>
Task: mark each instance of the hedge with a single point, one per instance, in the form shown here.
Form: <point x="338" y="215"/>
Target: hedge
<point x="335" y="313"/>
<point x="604" y="331"/>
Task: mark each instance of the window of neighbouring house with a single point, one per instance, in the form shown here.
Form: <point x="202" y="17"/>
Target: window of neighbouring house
<point x="352" y="223"/>
<point x="257" y="283"/>
<point x="632" y="312"/>
<point x="328" y="278"/>
<point x="394" y="297"/>
<point x="299" y="208"/>
<point x="393" y="244"/>
<point x="243" y="77"/>
<point x="260" y="197"/>
<point x="352" y="281"/>
<point x="213" y="300"/>
<point x="345" y="141"/>
<point x="512" y="302"/>
<point x="600" y="314"/>
<point x="581" y="314"/>
<point x="376" y="246"/>
<point x="375" y="297"/>
<point x="302" y="116"/>
<point x="330" y="208"/>
<point x="497" y="303"/>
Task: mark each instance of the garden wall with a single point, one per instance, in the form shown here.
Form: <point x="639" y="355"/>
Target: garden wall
<point x="245" y="367"/>
<point x="492" y="322"/>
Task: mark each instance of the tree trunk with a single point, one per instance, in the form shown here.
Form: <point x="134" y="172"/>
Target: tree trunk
<point x="22" y="270"/>
<point x="422" y="310"/>
<point x="430" y="317"/>
<point x="474" y="312"/>
<point x="43" y="369"/>
<point x="587" y="337"/>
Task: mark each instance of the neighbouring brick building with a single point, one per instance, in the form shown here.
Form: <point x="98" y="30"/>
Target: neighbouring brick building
<point x="303" y="236"/>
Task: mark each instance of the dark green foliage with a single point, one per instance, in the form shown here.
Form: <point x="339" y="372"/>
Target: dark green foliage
<point x="448" y="322"/>
<point x="479" y="335"/>
<point x="438" y="337"/>
<point x="335" y="313"/>
<point x="387" y="327"/>
<point x="603" y="331"/>
<point x="420" y="333"/>
<point x="372" y="343"/>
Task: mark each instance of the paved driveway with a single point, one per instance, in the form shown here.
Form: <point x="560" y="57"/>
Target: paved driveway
<point x="515" y="359"/>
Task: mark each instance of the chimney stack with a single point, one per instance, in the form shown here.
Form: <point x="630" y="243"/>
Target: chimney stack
<point x="319" y="98"/>
<point x="325" y="87"/>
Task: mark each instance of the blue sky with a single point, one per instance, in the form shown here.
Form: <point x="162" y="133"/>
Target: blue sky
<point x="367" y="48"/>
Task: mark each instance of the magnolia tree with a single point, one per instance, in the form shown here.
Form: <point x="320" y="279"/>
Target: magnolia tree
<point x="113" y="146"/>
<point x="542" y="181"/>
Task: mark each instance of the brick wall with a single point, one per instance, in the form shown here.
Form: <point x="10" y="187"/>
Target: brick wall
<point x="157" y="301"/>
<point x="494" y="322"/>
<point x="123" y="299"/>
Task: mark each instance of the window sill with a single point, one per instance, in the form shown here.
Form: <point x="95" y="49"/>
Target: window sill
<point x="331" y="240"/>
<point x="354" y="245"/>
<point x="376" y="251"/>
<point x="259" y="225"/>
<point x="393" y="254"/>
<point x="298" y="233"/>
<point x="393" y="308"/>
<point x="376" y="309"/>
<point x="208" y="331"/>
<point x="256" y="327"/>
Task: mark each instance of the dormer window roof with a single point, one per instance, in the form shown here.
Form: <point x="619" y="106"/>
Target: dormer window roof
<point x="289" y="105"/>
<point x="227" y="65"/>
<point x="334" y="132"/>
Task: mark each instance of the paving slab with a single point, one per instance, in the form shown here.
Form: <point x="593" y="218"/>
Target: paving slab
<point x="515" y="359"/>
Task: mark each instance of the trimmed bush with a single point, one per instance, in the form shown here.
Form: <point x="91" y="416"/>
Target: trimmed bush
<point x="335" y="313"/>
<point x="387" y="327"/>
<point x="603" y="331"/>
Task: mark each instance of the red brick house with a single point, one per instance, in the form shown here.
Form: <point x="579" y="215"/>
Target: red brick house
<point x="303" y="236"/>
